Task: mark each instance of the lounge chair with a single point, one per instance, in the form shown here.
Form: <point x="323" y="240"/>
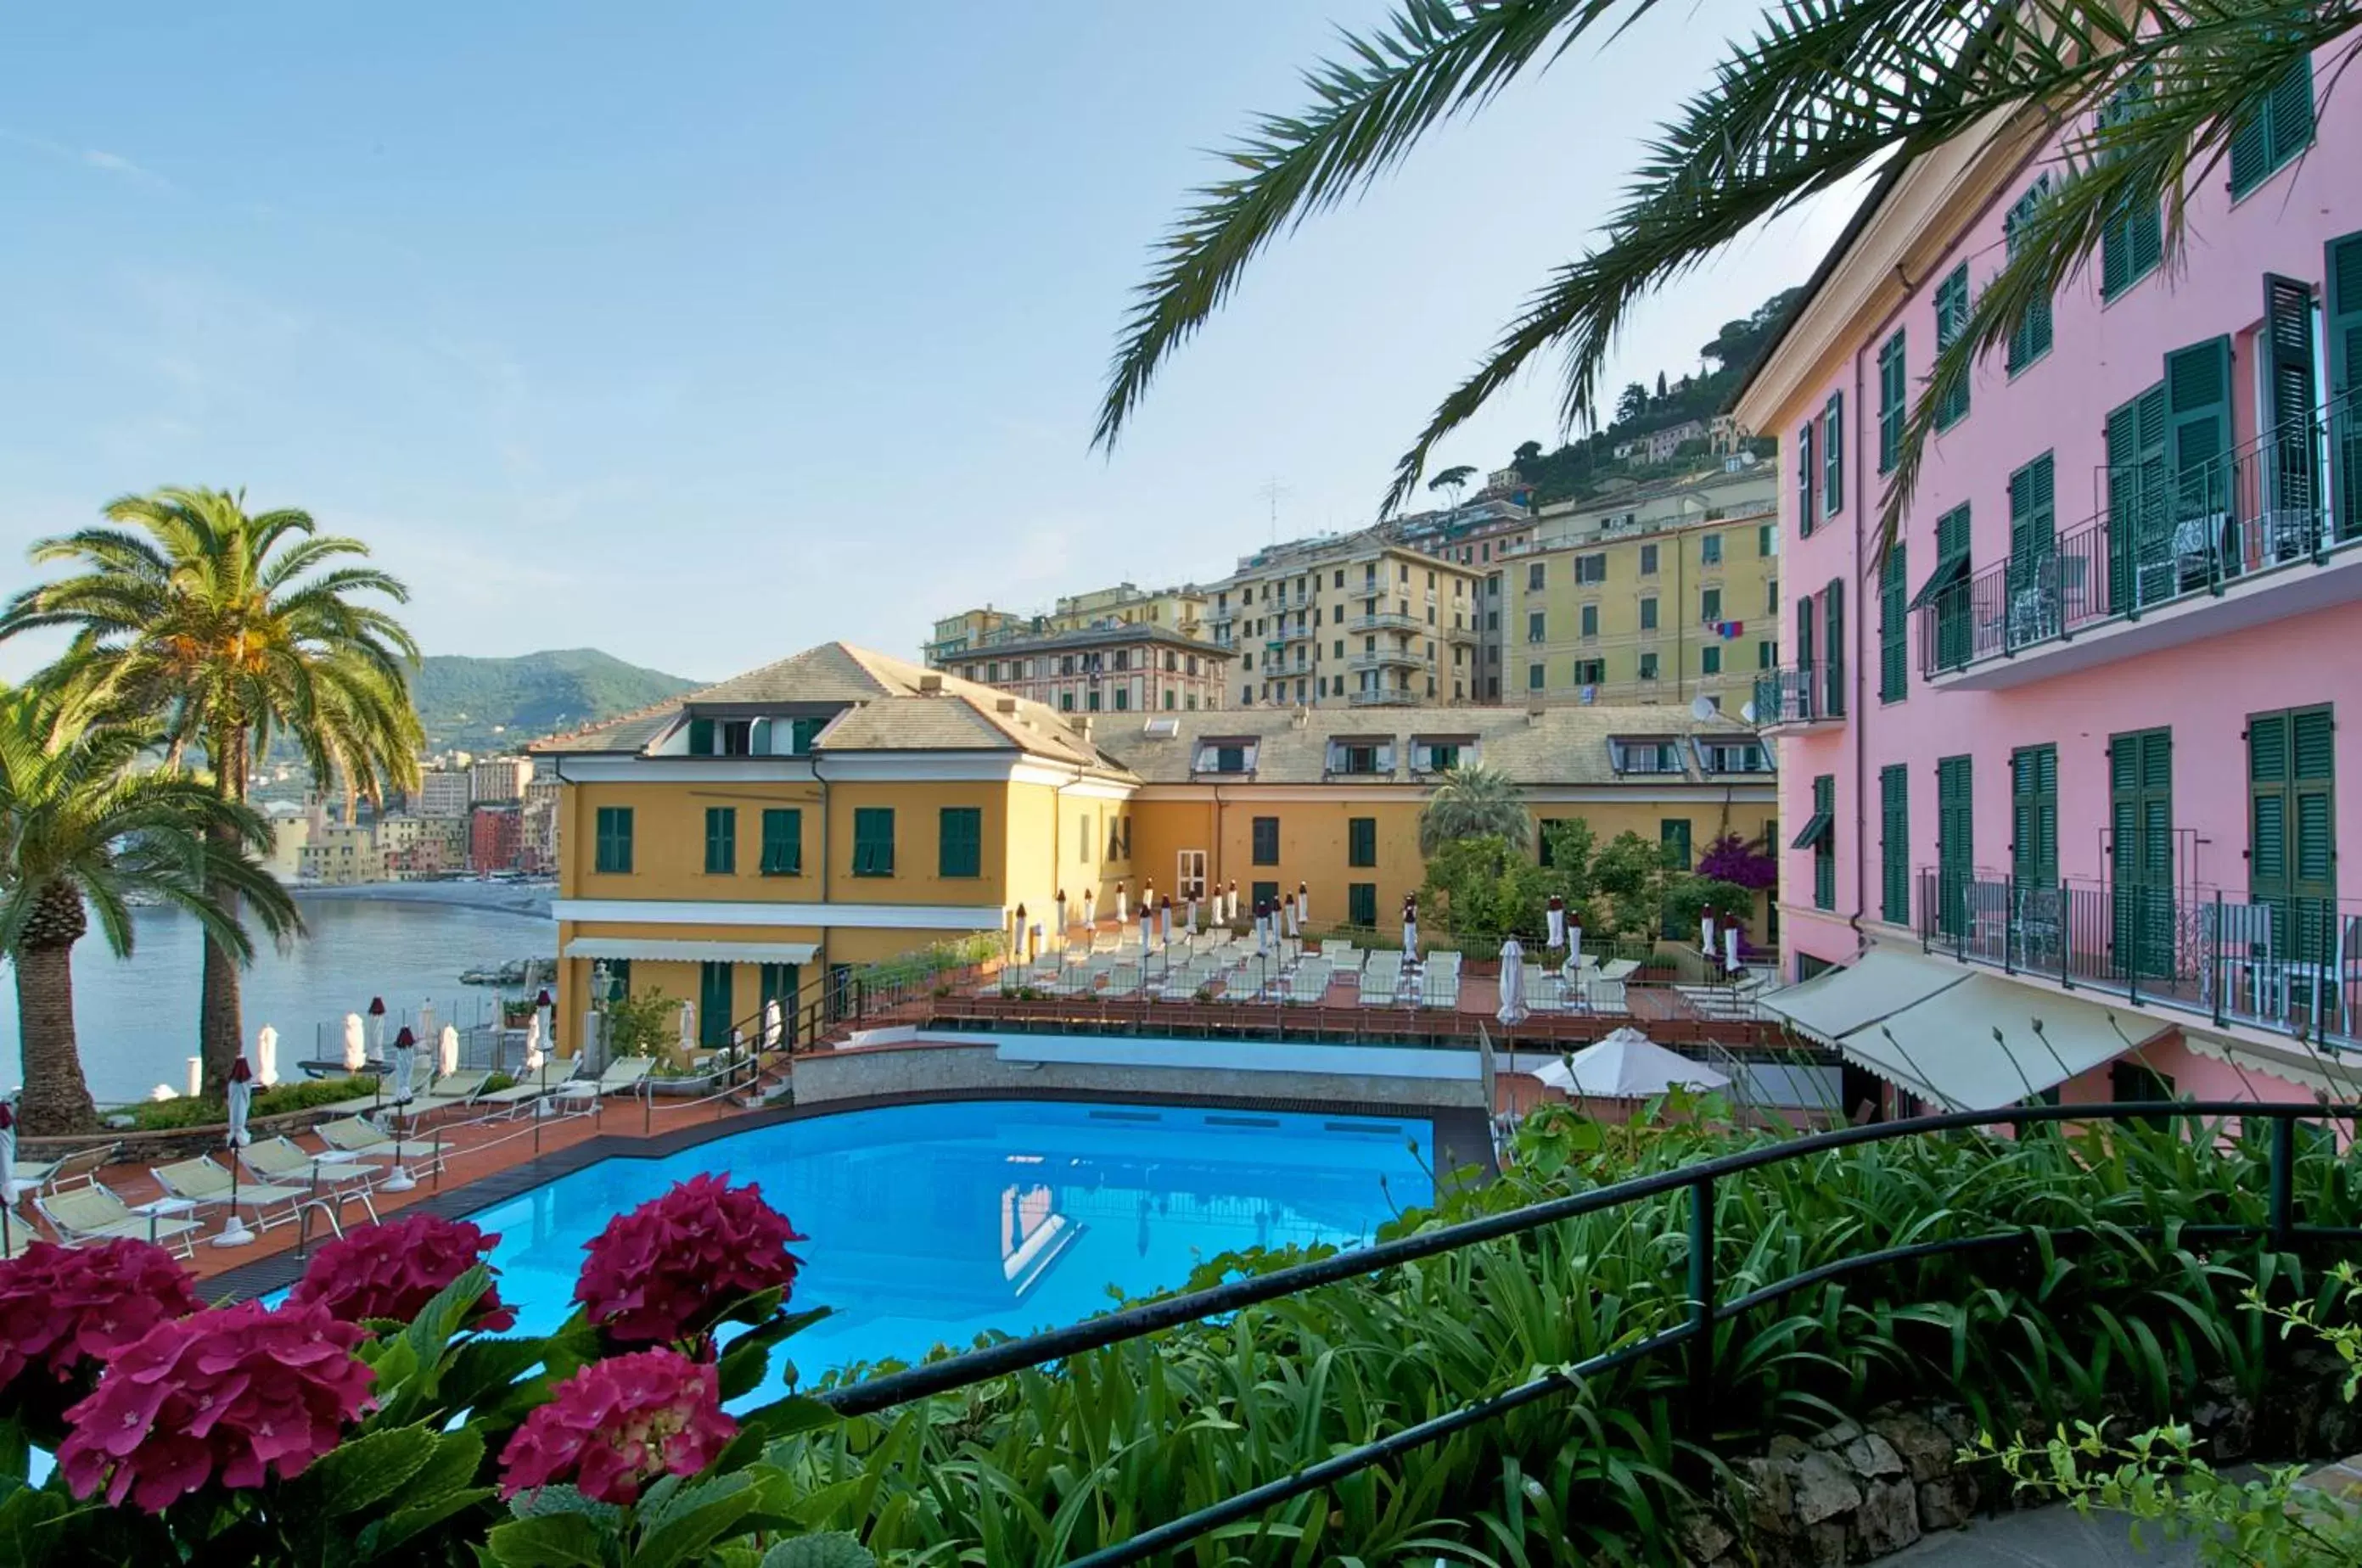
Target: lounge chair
<point x="455" y="1089"/>
<point x="358" y="1136"/>
<point x="1380" y="980"/>
<point x="77" y="1168"/>
<point x="203" y="1182"/>
<point x="92" y="1212"/>
<point x="1617" y="969"/>
<point x="625" y="1075"/>
<point x="283" y="1162"/>
<point x="528" y="1089"/>
<point x="1309" y="986"/>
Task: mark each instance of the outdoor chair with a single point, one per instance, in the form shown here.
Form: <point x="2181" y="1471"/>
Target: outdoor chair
<point x="283" y="1162"/>
<point x="358" y="1136"/>
<point x="208" y="1185"/>
<point x="1309" y="986"/>
<point x="625" y="1075"/>
<point x="77" y="1168"/>
<point x="93" y="1212"/>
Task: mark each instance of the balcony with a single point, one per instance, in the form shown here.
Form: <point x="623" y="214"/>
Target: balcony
<point x="2286" y="966"/>
<point x="1457" y="633"/>
<point x="1385" y="696"/>
<point x="2268" y="530"/>
<point x="1387" y="659"/>
<point x="1802" y="696"/>
<point x="1388" y="621"/>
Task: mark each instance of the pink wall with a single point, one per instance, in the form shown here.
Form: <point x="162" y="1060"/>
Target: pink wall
<point x="2102" y="354"/>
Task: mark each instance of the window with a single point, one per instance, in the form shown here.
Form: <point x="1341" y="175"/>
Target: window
<point x="1169" y="699"/>
<point x="2276" y="127"/>
<point x="1591" y="568"/>
<point x="2198" y="434"/>
<point x="960" y="842"/>
<point x="1893" y="392"/>
<point x="2031" y="341"/>
<point x="1534" y="577"/>
<point x="783" y="842"/>
<point x="873" y="840"/>
<point x="1226" y="757"/>
<point x="1648" y="560"/>
<point x="1709" y="661"/>
<point x="1649" y="666"/>
<point x="2133" y="241"/>
<point x="1646" y="756"/>
<point x="1435" y="756"/>
<point x="1767" y="540"/>
<point x="1118" y="844"/>
<point x="2034" y="815"/>
<point x="1534" y="676"/>
<point x="1589" y="621"/>
<point x="1361" y="757"/>
<point x="1091" y="699"/>
<point x="1956" y="843"/>
<point x="1649" y="614"/>
<point x="1804" y="481"/>
<point x="1066" y="702"/>
<point x="1833" y="455"/>
<point x="1588" y="672"/>
<point x="721" y="840"/>
<point x="1710" y="550"/>
<point x="615" y="848"/>
<point x="1710" y="604"/>
<point x="1951" y="316"/>
<point x="1535" y="627"/>
<point x="1733" y="757"/>
<point x="1894" y="843"/>
<point x="1362" y="905"/>
<point x="1266" y="840"/>
<point x="1083" y="839"/>
<point x="714" y="1004"/>
<point x="1894" y="672"/>
<point x="1673" y="834"/>
<point x="1819" y="836"/>
<point x="1833" y="648"/>
<point x="2033" y="548"/>
<point x="1767" y="655"/>
<point x="1361" y="840"/>
<point x="2292" y="821"/>
<point x="1947" y="585"/>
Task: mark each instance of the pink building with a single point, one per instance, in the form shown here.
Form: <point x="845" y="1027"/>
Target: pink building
<point x="2083" y="748"/>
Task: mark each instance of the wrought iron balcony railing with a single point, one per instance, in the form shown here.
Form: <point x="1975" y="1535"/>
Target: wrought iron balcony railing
<point x="1800" y="694"/>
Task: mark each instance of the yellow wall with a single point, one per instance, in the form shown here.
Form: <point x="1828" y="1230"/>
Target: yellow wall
<point x="1746" y="579"/>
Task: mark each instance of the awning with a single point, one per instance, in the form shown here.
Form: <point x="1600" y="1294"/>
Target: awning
<point x="1881" y="983"/>
<point x="1815" y="828"/>
<point x="1986" y="1043"/>
<point x="2315" y="1072"/>
<point x="1948" y="570"/>
<point x="656" y="950"/>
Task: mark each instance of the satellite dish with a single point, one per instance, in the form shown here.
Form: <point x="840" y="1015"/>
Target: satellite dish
<point x="1747" y="713"/>
<point x="1701" y="708"/>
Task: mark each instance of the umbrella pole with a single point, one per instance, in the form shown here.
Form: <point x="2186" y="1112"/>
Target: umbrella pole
<point x="399" y="1178"/>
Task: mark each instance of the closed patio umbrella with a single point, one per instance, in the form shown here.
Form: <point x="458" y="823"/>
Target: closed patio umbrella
<point x="447" y="1050"/>
<point x="1303" y="904"/>
<point x="688" y="1025"/>
<point x="1091" y="908"/>
<point x="1147" y="926"/>
<point x="774" y="1025"/>
<point x="404" y="1060"/>
<point x="1122" y="905"/>
<point x="1410" y="932"/>
<point x="532" y="1042"/>
<point x="1556" y="917"/>
<point x="1730" y="949"/>
<point x="239" y="1092"/>
<point x="356" y="1048"/>
<point x="376" y="1027"/>
<point x="1164" y="921"/>
<point x="266" y="1055"/>
<point x="1627" y="1065"/>
<point x="1513" y="1010"/>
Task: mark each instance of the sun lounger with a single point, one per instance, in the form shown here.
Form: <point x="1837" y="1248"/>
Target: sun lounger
<point x="67" y="1170"/>
<point x="284" y="1163"/>
<point x="358" y="1136"/>
<point x="1309" y="986"/>
<point x="1380" y="981"/>
<point x="203" y="1182"/>
<point x="625" y="1075"/>
<point x="93" y="1212"/>
<point x="456" y="1088"/>
<point x="1617" y="969"/>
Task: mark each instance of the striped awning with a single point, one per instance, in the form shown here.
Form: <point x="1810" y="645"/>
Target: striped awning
<point x="656" y="949"/>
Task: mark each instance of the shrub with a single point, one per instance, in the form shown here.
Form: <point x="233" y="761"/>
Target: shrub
<point x="167" y="1116"/>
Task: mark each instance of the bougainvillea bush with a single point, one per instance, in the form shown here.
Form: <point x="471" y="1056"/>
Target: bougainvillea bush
<point x="381" y="1414"/>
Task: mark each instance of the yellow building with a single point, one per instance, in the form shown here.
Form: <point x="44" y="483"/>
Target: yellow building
<point x="1642" y="611"/>
<point x="1179" y="611"/>
<point x="1357" y="620"/>
<point x="340" y="857"/>
<point x="840" y="806"/>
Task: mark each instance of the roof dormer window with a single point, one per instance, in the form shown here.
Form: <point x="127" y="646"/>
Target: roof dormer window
<point x="1645" y="756"/>
<point x="1367" y="756"/>
<point x="1441" y="753"/>
<point x="1234" y="754"/>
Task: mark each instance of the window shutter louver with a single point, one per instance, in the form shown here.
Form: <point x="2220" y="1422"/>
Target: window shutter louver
<point x="2136" y="500"/>
<point x="2291" y="440"/>
<point x="1833" y="455"/>
<point x="2198" y="429"/>
<point x="1955" y="841"/>
<point x="1833" y="617"/>
<point x="1894" y="672"/>
<point x="1894" y="843"/>
<point x="1804" y="481"/>
<point x="2342" y="270"/>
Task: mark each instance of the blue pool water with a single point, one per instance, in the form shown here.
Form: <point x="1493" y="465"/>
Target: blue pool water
<point x="930" y="1224"/>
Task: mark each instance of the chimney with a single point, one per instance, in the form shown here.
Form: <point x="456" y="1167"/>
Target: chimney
<point x="1081" y="725"/>
<point x="931" y="686"/>
<point x="1004" y="705"/>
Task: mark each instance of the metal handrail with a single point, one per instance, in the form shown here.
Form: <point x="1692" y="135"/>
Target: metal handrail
<point x="1694" y="1333"/>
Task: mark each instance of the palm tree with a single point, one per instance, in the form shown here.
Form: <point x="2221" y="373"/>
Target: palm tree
<point x="1826" y="89"/>
<point x="1474" y="802"/>
<point x="234" y="632"/>
<point x="82" y="831"/>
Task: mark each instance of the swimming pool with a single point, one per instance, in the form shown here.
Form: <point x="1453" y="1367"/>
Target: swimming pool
<point x="930" y="1224"/>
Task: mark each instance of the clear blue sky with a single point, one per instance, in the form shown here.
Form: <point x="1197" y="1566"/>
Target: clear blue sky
<point x="702" y="334"/>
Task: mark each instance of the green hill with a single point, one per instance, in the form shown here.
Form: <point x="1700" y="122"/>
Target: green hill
<point x="484" y="705"/>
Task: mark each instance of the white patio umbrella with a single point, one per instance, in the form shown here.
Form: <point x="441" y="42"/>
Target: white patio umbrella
<point x="545" y="1014"/>
<point x="404" y="1062"/>
<point x="1513" y="1010"/>
<point x="1556" y="917"/>
<point x="1122" y="905"/>
<point x="8" y="1178"/>
<point x="688" y="1025"/>
<point x="446" y="1050"/>
<point x="1232" y="917"/>
<point x="356" y="1051"/>
<point x="1303" y="904"/>
<point x="1574" y="952"/>
<point x="1410" y="932"/>
<point x="239" y="1092"/>
<point x="1263" y="932"/>
<point x="1147" y="927"/>
<point x="533" y="1042"/>
<point x="266" y="1055"/>
<point x="1627" y="1065"/>
<point x="1730" y="949"/>
<point x="774" y="1025"/>
<point x="376" y="1027"/>
<point x="1292" y="924"/>
<point x="1091" y="907"/>
<point x="1165" y="922"/>
<point x="1190" y="926"/>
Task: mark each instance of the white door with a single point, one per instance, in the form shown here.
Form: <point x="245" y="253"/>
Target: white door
<point x="1191" y="879"/>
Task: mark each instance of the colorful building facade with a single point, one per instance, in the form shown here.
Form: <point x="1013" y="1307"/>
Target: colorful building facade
<point x="2086" y="738"/>
<point x="1126" y="668"/>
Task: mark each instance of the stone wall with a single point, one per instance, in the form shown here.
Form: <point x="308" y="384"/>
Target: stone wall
<point x="859" y="1073"/>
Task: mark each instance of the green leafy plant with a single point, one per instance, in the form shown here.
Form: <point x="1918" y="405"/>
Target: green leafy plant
<point x="162" y="1115"/>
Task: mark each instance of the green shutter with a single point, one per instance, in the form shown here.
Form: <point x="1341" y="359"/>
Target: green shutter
<point x="1362" y="905"/>
<point x="2034" y="815"/>
<point x="1894" y="843"/>
<point x="1833" y="455"/>
<point x="2140" y="849"/>
<point x="721" y="840"/>
<point x="1955" y="841"/>
<point x="1807" y="670"/>
<point x="1673" y="835"/>
<point x="1893" y="668"/>
<point x="1833" y="643"/>
<point x="1805" y="508"/>
<point x="1951" y="598"/>
<point x="714" y="1005"/>
<point x="2275" y="129"/>
<point x="1362" y="840"/>
<point x="2291" y="468"/>
<point x="701" y="736"/>
<point x="2031" y="341"/>
<point x="2139" y="554"/>
<point x="2291" y="813"/>
<point x="1266" y="840"/>
<point x="1894" y="391"/>
<point x="615" y="839"/>
<point x="2342" y="260"/>
<point x="1951" y="316"/>
<point x="783" y="841"/>
<point x="2033" y="540"/>
<point x="873" y="840"/>
<point x="2198" y="430"/>
<point x="1824" y="854"/>
<point x="960" y="841"/>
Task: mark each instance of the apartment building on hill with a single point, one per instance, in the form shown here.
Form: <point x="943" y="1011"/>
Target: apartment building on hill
<point x="1136" y="668"/>
<point x="1356" y="620"/>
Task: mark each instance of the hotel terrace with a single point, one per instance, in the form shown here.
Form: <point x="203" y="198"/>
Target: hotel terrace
<point x="842" y="806"/>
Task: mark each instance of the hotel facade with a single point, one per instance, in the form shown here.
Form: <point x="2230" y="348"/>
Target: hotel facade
<point x="2075" y="757"/>
<point x="752" y="839"/>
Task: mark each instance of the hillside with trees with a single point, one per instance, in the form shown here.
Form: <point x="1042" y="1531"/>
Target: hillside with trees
<point x="1588" y="464"/>
<point x="477" y="705"/>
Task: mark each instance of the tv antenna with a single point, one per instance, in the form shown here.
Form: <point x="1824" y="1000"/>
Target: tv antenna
<point x="1271" y="492"/>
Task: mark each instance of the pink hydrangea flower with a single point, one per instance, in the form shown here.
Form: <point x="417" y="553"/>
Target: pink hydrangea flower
<point x="67" y="1306"/>
<point x="393" y="1269"/>
<point x="618" y="1424"/>
<point x="235" y="1395"/>
<point x="670" y="1267"/>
